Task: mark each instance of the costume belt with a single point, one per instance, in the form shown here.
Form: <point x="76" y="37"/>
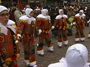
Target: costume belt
<point x="45" y="31"/>
<point x="62" y="27"/>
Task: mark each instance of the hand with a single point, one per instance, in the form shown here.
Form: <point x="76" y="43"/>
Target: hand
<point x="74" y="23"/>
<point x="88" y="21"/>
<point x="53" y="27"/>
<point x="39" y="31"/>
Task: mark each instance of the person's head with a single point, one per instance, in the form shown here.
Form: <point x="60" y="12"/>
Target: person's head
<point x="44" y="12"/>
<point x="81" y="12"/>
<point x="29" y="12"/>
<point x="61" y="11"/>
<point x="77" y="55"/>
<point x="4" y="15"/>
<point x="27" y="6"/>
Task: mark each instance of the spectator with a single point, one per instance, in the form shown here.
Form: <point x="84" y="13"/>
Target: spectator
<point x="18" y="12"/>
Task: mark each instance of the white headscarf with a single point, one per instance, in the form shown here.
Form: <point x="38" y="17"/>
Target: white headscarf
<point x="81" y="11"/>
<point x="44" y="11"/>
<point x="77" y="55"/>
<point x="2" y="8"/>
<point x="28" y="11"/>
<point x="60" y="10"/>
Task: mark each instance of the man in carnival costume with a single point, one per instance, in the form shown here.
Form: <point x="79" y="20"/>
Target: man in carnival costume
<point x="61" y="24"/>
<point x="43" y="27"/>
<point x="9" y="47"/>
<point x="79" y="22"/>
<point x="27" y="30"/>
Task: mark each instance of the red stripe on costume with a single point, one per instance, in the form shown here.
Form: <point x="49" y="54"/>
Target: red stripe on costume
<point x="38" y="23"/>
<point x="1" y="39"/>
<point x="26" y="57"/>
<point x="14" y="58"/>
<point x="20" y="26"/>
<point x="59" y="40"/>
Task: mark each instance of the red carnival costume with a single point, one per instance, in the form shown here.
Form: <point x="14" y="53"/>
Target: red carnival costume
<point x="9" y="48"/>
<point x="27" y="29"/>
<point x="80" y="23"/>
<point x="61" y="24"/>
<point x="44" y="26"/>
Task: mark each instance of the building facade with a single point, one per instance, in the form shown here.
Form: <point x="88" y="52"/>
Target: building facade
<point x="24" y="2"/>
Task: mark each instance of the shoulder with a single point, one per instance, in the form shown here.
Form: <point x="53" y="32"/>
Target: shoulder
<point x="83" y="15"/>
<point x="33" y="18"/>
<point x="77" y="15"/>
<point x="10" y="22"/>
<point x="41" y="16"/>
<point x="65" y="16"/>
<point x="58" y="17"/>
<point x="24" y="17"/>
<point x="57" y="65"/>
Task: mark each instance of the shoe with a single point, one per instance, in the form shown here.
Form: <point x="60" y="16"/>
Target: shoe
<point x="77" y="41"/>
<point x="59" y="46"/>
<point x="32" y="66"/>
<point x="66" y="44"/>
<point x="82" y="40"/>
<point x="50" y="51"/>
<point x="41" y="55"/>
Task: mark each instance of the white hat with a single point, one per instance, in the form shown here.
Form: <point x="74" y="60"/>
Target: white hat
<point x="77" y="55"/>
<point x="44" y="11"/>
<point x="60" y="10"/>
<point x="2" y="8"/>
<point x="81" y="11"/>
<point x="28" y="11"/>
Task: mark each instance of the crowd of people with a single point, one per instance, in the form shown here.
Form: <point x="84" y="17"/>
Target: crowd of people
<point x="23" y="24"/>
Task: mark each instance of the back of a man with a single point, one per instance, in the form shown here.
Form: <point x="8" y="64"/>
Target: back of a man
<point x="18" y="13"/>
<point x="76" y="56"/>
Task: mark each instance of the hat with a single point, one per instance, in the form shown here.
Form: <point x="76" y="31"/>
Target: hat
<point x="60" y="11"/>
<point x="2" y="8"/>
<point x="28" y="11"/>
<point x="20" y="5"/>
<point x="81" y="11"/>
<point x="77" y="55"/>
<point x="44" y="11"/>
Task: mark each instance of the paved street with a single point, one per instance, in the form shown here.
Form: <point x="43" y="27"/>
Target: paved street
<point x="58" y="53"/>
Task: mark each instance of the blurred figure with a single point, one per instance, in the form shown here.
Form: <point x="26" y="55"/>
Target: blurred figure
<point x="61" y="24"/>
<point x="9" y="48"/>
<point x="79" y="21"/>
<point x="18" y="13"/>
<point x="76" y="56"/>
<point x="53" y="13"/>
<point x="12" y="23"/>
<point x="43" y="27"/>
<point x="27" y="29"/>
<point x="37" y="11"/>
<point x="12" y="10"/>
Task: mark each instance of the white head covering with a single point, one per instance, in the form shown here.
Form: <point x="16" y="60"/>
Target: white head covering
<point x="28" y="11"/>
<point x="77" y="55"/>
<point x="60" y="10"/>
<point x="2" y="8"/>
<point x="44" y="11"/>
<point x="81" y="11"/>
